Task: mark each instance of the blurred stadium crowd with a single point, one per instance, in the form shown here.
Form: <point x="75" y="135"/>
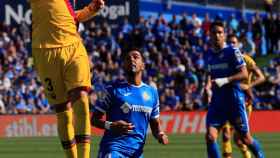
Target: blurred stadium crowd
<point x="173" y="51"/>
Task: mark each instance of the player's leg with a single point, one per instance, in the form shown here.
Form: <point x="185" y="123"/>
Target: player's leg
<point x="65" y="129"/>
<point x="253" y="145"/>
<point x="47" y="64"/>
<point x="226" y="141"/>
<point x="77" y="81"/>
<point x="212" y="145"/>
<point x="214" y="121"/>
<point x="79" y="99"/>
<point x="110" y="154"/>
<point x="243" y="147"/>
<point x="241" y="126"/>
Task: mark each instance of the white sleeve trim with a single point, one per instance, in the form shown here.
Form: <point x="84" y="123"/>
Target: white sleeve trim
<point x="99" y="109"/>
<point x="157" y="116"/>
<point x="239" y="66"/>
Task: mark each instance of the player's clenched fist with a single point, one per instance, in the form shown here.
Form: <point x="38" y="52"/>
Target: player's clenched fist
<point x="96" y="5"/>
<point x="163" y="138"/>
<point x="121" y="126"/>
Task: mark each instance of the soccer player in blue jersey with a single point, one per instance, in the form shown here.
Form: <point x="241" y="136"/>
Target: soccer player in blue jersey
<point x="129" y="106"/>
<point x="226" y="69"/>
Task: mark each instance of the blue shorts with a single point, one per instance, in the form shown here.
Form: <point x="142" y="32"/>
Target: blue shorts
<point x="117" y="154"/>
<point x="237" y="117"/>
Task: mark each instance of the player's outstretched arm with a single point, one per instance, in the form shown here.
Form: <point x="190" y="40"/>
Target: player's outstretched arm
<point x="96" y="120"/>
<point x="118" y="127"/>
<point x="241" y="75"/>
<point x="157" y="132"/>
<point x="259" y="76"/>
<point x="207" y="90"/>
<point x="89" y="11"/>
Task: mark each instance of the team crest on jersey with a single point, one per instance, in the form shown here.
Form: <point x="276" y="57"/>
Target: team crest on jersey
<point x="145" y="96"/>
<point x="238" y="56"/>
<point x="125" y="108"/>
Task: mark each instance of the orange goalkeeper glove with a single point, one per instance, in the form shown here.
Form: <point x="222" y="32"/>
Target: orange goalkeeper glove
<point x="89" y="11"/>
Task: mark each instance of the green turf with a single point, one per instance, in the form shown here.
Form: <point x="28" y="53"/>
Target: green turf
<point x="264" y="60"/>
<point x="181" y="146"/>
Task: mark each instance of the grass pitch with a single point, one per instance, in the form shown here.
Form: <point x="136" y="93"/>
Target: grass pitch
<point x="181" y="146"/>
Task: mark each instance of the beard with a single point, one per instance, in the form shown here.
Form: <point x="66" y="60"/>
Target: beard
<point x="132" y="71"/>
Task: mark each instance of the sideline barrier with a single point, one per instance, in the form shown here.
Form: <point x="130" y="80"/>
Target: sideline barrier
<point x="172" y="123"/>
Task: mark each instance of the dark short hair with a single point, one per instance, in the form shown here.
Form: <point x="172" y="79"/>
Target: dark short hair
<point x="126" y="52"/>
<point x="232" y="36"/>
<point x="217" y="23"/>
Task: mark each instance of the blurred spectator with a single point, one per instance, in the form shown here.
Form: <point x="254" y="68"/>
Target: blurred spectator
<point x="206" y="23"/>
<point x="233" y="23"/>
<point x="275" y="36"/>
<point x="172" y="101"/>
<point x="167" y="4"/>
<point x="257" y="31"/>
<point x="21" y="107"/>
<point x="247" y="45"/>
<point x="30" y="106"/>
<point x="43" y="104"/>
<point x="243" y="25"/>
<point x="268" y="5"/>
<point x="2" y="106"/>
<point x="276" y="98"/>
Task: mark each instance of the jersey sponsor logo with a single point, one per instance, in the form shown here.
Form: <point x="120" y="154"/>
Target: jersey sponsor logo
<point x="219" y="66"/>
<point x="221" y="55"/>
<point x="126" y="108"/>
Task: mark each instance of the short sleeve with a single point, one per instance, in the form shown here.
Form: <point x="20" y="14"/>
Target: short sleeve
<point x="155" y="110"/>
<point x="250" y="63"/>
<point x="237" y="59"/>
<point x="105" y="101"/>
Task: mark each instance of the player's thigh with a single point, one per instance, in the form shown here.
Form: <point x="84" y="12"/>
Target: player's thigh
<point x="77" y="68"/>
<point x="110" y="154"/>
<point x="239" y="120"/>
<point x="249" y="110"/>
<point x="215" y="118"/>
<point x="48" y="67"/>
<point x="212" y="133"/>
<point x="227" y="126"/>
<point x="226" y="130"/>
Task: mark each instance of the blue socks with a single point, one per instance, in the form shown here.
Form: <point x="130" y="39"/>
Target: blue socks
<point x="255" y="147"/>
<point x="213" y="150"/>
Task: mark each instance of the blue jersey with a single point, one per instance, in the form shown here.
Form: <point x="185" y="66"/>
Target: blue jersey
<point x="227" y="102"/>
<point x="133" y="104"/>
<point x="225" y="63"/>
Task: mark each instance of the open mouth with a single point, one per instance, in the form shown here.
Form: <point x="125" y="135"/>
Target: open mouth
<point x="133" y="67"/>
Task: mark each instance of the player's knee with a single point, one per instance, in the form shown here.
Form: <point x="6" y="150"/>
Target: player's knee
<point x="247" y="139"/>
<point x="237" y="139"/>
<point x="226" y="135"/>
<point x="76" y="94"/>
<point x="62" y="107"/>
<point x="210" y="137"/>
<point x="80" y="102"/>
